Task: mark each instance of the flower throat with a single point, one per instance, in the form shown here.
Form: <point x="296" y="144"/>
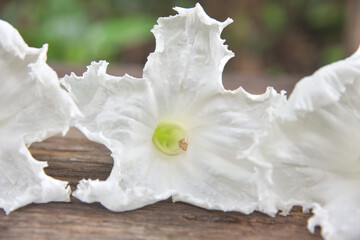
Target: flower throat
<point x="170" y="138"/>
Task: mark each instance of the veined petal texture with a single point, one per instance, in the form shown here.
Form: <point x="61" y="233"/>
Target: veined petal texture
<point x="181" y="92"/>
<point x="313" y="145"/>
<point x="32" y="107"/>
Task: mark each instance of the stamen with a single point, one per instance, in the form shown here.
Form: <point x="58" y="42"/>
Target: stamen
<point x="183" y="144"/>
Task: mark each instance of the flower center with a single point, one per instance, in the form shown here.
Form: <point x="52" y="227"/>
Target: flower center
<point x="170" y="138"/>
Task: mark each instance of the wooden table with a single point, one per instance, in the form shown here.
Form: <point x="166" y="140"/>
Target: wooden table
<point x="73" y="157"/>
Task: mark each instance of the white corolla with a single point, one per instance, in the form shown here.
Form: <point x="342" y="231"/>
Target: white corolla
<point x="176" y="132"/>
<point x="314" y="147"/>
<point x="32" y="107"/>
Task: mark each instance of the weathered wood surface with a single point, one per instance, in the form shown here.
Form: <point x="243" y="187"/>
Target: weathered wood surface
<point x="73" y="157"/>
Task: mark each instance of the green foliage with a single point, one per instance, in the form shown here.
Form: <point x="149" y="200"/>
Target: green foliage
<point x="268" y="34"/>
<point x="274" y="16"/>
<point x="325" y="15"/>
<point x="72" y="33"/>
<point x="106" y="38"/>
<point x="331" y="53"/>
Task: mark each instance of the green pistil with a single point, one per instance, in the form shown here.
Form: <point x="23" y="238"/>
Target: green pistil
<point x="170" y="138"/>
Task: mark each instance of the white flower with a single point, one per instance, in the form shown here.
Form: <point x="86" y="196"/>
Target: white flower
<point x="32" y="108"/>
<point x="314" y="147"/>
<point x="176" y="131"/>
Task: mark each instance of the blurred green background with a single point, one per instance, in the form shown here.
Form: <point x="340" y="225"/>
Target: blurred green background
<point x="275" y="37"/>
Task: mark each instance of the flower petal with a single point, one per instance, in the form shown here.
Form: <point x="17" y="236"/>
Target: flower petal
<point x="23" y="181"/>
<point x="119" y="112"/>
<point x="181" y="84"/>
<point x="189" y="55"/>
<point x="339" y="214"/>
<point x="32" y="108"/>
<point x="209" y="174"/>
<point x="215" y="176"/>
<point x="316" y="157"/>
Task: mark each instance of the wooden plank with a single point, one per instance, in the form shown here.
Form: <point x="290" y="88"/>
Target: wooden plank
<point x="74" y="157"/>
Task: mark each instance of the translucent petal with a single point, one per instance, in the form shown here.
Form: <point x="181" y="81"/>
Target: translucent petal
<point x="218" y="176"/>
<point x="339" y="214"/>
<point x="316" y="158"/>
<point x="120" y="113"/>
<point x="189" y="55"/>
<point x="117" y="110"/>
<point x="182" y="84"/>
<point x="32" y="108"/>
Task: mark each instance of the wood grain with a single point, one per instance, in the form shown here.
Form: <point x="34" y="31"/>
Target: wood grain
<point x="73" y="157"/>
